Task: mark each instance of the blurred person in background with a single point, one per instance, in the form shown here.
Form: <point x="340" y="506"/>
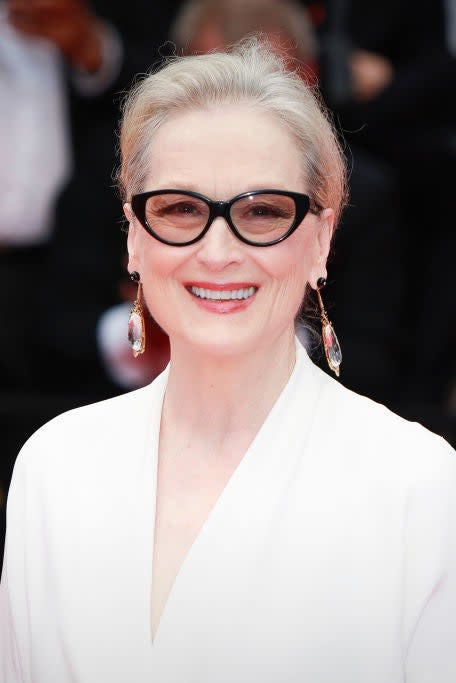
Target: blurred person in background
<point x="205" y="25"/>
<point x="64" y="65"/>
<point x="388" y="69"/>
<point x="103" y="46"/>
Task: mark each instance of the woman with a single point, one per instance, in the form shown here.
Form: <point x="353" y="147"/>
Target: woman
<point x="244" y="517"/>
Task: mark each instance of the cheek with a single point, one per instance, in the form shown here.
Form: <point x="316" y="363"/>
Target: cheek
<point x="162" y="267"/>
<point x="158" y="263"/>
<point x="292" y="263"/>
<point x="290" y="273"/>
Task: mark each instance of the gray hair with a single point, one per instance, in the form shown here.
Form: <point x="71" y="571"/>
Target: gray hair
<point x="249" y="73"/>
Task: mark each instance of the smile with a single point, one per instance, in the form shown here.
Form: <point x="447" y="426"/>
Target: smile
<point x="223" y="295"/>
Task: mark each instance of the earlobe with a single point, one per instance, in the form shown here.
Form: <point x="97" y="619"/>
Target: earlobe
<point x="321" y="272"/>
<point x="131" y="240"/>
<point x="323" y="235"/>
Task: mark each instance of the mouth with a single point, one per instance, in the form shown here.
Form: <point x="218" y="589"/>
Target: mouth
<point x="234" y="294"/>
<point x="229" y="297"/>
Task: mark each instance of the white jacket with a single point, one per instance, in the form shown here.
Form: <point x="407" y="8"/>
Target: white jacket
<point x="330" y="556"/>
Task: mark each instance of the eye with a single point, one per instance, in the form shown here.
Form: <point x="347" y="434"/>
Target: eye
<point x="179" y="208"/>
<point x="261" y="210"/>
<point x="265" y="211"/>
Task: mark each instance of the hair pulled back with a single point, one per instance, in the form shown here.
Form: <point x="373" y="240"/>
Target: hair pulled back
<point x="249" y="73"/>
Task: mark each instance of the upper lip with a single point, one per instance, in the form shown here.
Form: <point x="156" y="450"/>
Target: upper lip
<point x="220" y="287"/>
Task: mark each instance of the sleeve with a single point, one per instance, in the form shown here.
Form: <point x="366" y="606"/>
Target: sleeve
<point x="13" y="607"/>
<point x="431" y="653"/>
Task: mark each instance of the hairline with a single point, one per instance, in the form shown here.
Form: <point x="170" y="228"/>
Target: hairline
<point x="237" y="104"/>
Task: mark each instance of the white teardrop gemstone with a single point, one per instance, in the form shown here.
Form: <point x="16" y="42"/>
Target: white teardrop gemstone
<point x="332" y="347"/>
<point x="136" y="333"/>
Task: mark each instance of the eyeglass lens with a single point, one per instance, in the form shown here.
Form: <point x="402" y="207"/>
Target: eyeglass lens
<point x="259" y="218"/>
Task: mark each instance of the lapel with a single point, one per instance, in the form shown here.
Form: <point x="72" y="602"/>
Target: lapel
<point x="127" y="624"/>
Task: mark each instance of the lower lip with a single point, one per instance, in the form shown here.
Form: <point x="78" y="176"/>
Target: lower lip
<point x="219" y="306"/>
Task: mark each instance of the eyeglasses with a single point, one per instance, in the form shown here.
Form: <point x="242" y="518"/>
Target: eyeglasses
<point x="260" y="218"/>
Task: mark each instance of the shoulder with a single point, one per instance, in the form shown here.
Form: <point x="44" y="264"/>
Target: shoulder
<point x="90" y="436"/>
<point x="371" y="431"/>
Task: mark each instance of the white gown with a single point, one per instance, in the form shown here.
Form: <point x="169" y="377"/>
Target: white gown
<point x="330" y="556"/>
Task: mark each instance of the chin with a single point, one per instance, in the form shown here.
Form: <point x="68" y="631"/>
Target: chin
<point x="220" y="343"/>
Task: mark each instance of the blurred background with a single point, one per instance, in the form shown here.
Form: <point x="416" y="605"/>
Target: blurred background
<point x="386" y="70"/>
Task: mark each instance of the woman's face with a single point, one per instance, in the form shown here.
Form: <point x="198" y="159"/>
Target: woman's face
<point x="220" y="153"/>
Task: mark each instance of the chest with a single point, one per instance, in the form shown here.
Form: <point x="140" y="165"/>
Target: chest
<point x="187" y="491"/>
<point x="284" y="571"/>
<point x="289" y="574"/>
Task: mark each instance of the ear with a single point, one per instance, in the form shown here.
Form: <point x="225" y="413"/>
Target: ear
<point x="132" y="238"/>
<point x="323" y="236"/>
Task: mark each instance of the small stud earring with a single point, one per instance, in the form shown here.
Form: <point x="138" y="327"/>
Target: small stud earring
<point x="136" y="325"/>
<point x="330" y="342"/>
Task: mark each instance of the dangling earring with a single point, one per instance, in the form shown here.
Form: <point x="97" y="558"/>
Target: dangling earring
<point x="330" y="342"/>
<point x="136" y="326"/>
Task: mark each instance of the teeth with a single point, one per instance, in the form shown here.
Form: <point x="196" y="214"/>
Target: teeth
<point x="224" y="295"/>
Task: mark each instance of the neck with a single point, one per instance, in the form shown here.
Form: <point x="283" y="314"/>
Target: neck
<point x="217" y="399"/>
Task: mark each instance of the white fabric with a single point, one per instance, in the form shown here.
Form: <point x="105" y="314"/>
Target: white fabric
<point x="34" y="149"/>
<point x="328" y="558"/>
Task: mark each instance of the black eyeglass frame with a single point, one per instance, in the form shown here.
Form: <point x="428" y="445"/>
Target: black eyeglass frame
<point x="303" y="206"/>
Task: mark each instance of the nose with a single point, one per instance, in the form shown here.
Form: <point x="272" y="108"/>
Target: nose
<point x="219" y="247"/>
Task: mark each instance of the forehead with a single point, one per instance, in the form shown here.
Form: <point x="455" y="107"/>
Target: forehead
<point x="224" y="151"/>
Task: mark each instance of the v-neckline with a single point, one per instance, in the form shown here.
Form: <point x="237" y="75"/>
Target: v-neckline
<point x="152" y="450"/>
